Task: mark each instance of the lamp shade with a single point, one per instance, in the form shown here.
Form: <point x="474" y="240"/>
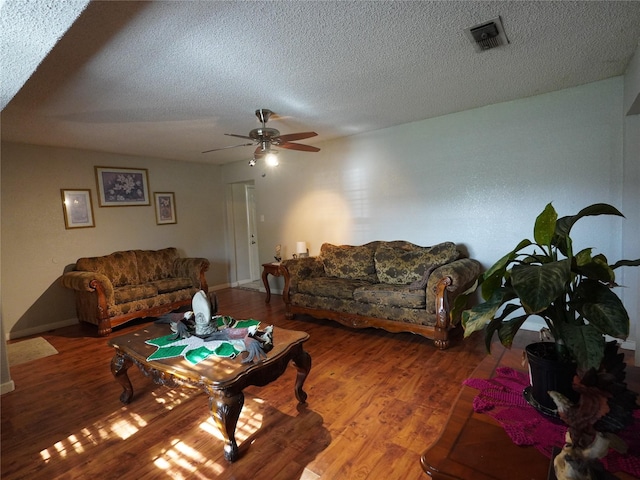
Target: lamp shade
<point x="301" y="247"/>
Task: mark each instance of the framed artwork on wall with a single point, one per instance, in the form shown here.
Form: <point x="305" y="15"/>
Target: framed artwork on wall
<point x="165" y="207"/>
<point x="122" y="187"/>
<point x="77" y="208"/>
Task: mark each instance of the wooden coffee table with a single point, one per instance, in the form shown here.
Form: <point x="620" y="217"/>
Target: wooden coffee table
<point x="222" y="379"/>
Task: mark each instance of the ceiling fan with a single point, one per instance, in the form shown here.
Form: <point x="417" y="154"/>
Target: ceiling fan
<point x="265" y="137"/>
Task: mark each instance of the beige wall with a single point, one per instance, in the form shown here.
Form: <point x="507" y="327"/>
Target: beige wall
<point x="477" y="178"/>
<point x="36" y="247"/>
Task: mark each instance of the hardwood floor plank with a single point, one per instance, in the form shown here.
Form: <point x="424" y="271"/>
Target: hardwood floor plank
<point x="376" y="401"/>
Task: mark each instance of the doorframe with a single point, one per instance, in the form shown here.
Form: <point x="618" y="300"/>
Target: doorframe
<point x="237" y="232"/>
<point x="252" y="232"/>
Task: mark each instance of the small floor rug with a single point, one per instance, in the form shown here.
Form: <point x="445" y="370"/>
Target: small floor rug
<point x="28" y="350"/>
<point x="256" y="286"/>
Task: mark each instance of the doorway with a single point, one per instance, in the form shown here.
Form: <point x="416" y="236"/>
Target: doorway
<point x="243" y="231"/>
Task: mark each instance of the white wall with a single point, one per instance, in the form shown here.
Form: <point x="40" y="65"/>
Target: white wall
<point x="630" y="277"/>
<point x="36" y="247"/>
<point x="478" y="178"/>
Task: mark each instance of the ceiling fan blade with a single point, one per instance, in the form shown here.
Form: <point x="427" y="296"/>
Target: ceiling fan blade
<point x="238" y="136"/>
<point x="296" y="136"/>
<point x="258" y="153"/>
<point x="230" y="146"/>
<point x="299" y="146"/>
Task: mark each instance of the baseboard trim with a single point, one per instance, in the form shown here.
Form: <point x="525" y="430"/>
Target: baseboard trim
<point x="40" y="329"/>
<point x="71" y="321"/>
<point x="7" y="387"/>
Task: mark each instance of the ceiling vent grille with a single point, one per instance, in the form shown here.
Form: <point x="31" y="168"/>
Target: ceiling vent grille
<point x="487" y="35"/>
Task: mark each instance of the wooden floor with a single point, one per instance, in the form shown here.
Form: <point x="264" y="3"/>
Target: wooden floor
<point x="376" y="401"/>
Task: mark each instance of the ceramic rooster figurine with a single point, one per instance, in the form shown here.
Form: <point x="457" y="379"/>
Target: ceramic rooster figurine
<point x="584" y="445"/>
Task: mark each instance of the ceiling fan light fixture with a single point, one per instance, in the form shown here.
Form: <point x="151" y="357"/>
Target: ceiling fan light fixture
<point x="252" y="162"/>
<point x="271" y="158"/>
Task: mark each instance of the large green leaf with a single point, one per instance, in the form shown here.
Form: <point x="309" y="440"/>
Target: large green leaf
<point x="509" y="328"/>
<point x="491" y="283"/>
<point x="596" y="268"/>
<point x="545" y="226"/>
<point x="626" y="263"/>
<point x="492" y="278"/>
<point x="480" y="315"/>
<point x="602" y="308"/>
<point x="563" y="225"/>
<point x="497" y="325"/>
<point x="585" y="343"/>
<point x="538" y="286"/>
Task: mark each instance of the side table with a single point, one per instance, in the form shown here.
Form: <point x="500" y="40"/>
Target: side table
<point x="267" y="269"/>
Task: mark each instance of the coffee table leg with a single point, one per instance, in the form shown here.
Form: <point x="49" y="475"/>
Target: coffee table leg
<point x="119" y="365"/>
<point x="302" y="362"/>
<point x="225" y="410"/>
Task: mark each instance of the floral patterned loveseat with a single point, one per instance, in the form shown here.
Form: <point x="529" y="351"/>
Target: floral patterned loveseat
<point x="396" y="286"/>
<point x="119" y="287"/>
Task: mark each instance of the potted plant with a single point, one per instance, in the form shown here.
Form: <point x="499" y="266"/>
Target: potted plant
<point x="571" y="291"/>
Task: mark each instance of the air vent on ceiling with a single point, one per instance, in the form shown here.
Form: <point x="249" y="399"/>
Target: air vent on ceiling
<point x="487" y="35"/>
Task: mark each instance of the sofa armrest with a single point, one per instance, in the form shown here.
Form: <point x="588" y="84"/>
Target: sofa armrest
<point x="194" y="268"/>
<point x="90" y="282"/>
<point x="296" y="269"/>
<point x="444" y="285"/>
<point x="461" y="274"/>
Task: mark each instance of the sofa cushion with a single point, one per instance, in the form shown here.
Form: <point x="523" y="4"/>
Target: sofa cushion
<point x="172" y="284"/>
<point x="134" y="292"/>
<point x="155" y="264"/>
<point x="398" y="266"/>
<point x="330" y="287"/>
<point x="119" y="267"/>
<point x="391" y="295"/>
<point x="349" y="262"/>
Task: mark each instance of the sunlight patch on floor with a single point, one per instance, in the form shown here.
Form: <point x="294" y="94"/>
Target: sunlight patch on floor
<point x="182" y="461"/>
<point x="172" y="398"/>
<point x="121" y="424"/>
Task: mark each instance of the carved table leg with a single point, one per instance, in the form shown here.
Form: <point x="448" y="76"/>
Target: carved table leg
<point x="225" y="411"/>
<point x="302" y="362"/>
<point x="266" y="285"/>
<point x="119" y="365"/>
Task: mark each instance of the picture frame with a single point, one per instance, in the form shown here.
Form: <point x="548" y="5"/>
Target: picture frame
<point x="122" y="187"/>
<point x="165" y="203"/>
<point x="77" y="208"/>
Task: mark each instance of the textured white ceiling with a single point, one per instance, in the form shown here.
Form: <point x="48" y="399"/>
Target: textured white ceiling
<point x="168" y="79"/>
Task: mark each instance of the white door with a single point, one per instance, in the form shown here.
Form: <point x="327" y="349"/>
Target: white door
<point x="254" y="257"/>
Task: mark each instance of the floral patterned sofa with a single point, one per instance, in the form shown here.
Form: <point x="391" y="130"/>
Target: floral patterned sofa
<point x="396" y="286"/>
<point x="119" y="287"/>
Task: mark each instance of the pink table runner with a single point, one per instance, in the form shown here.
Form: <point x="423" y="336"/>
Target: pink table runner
<point x="501" y="398"/>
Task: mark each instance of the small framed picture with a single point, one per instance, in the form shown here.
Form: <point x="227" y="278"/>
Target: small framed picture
<point x="77" y="208"/>
<point x="122" y="187"/>
<point x="165" y="207"/>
